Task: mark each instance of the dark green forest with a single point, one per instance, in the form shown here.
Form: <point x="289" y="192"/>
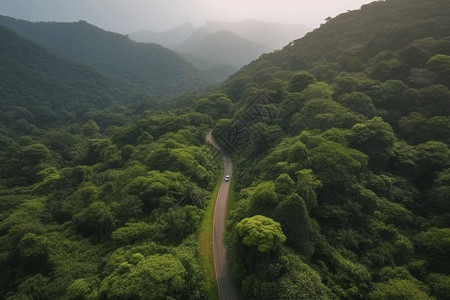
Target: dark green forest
<point x="38" y="89"/>
<point x="150" y="67"/>
<point x="97" y="180"/>
<point x="341" y="189"/>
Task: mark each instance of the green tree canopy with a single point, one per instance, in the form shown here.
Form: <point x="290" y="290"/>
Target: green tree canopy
<point x="300" y="81"/>
<point x="262" y="232"/>
<point x="297" y="225"/>
<point x="401" y="289"/>
<point x="91" y="129"/>
<point x="152" y="277"/>
<point x="434" y="244"/>
<point x="375" y="138"/>
<point x="264" y="198"/>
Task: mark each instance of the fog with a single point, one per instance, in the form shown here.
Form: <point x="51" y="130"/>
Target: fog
<point x="125" y="16"/>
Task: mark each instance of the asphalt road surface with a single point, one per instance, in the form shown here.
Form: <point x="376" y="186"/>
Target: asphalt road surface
<point x="225" y="283"/>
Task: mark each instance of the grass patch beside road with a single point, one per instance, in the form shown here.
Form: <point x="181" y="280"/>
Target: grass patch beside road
<point x="206" y="244"/>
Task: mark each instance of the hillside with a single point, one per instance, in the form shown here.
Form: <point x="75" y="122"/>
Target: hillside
<point x="39" y="89"/>
<point x="341" y="145"/>
<point x="383" y="41"/>
<point x="151" y="67"/>
<point x="85" y="185"/>
<point x="350" y="40"/>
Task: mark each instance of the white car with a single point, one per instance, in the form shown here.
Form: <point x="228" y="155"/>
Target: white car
<point x="227" y="178"/>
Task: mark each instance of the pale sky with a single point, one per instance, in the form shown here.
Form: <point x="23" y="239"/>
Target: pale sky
<point x="126" y="16"/>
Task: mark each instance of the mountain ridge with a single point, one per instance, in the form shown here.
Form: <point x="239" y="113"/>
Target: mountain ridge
<point x="168" y="38"/>
<point x="249" y="36"/>
<point x="332" y="39"/>
<point x="36" y="82"/>
<point x="152" y="67"/>
<point x="218" y="46"/>
<point x="275" y="35"/>
<point x="245" y="41"/>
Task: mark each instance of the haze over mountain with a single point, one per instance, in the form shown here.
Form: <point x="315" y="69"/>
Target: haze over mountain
<point x="125" y="16"/>
<point x="151" y="67"/>
<point x="169" y="38"/>
<point x="224" y="46"/>
<point x="274" y="35"/>
<point x="239" y="43"/>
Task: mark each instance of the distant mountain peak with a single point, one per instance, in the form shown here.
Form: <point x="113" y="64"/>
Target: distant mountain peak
<point x="276" y="35"/>
<point x="223" y="47"/>
<point x="167" y="38"/>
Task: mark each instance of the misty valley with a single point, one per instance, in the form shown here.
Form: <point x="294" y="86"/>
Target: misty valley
<point x="323" y="154"/>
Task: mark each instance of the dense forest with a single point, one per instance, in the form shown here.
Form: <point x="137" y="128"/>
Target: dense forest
<point x="105" y="215"/>
<point x="97" y="180"/>
<point x="341" y="187"/>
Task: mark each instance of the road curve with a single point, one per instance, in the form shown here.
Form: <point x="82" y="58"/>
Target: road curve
<point x="227" y="288"/>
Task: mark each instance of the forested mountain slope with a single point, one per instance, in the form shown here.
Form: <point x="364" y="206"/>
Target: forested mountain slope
<point x="91" y="202"/>
<point x="351" y="39"/>
<point x="101" y="191"/>
<point x="39" y="89"/>
<point x="151" y="67"/>
<point x="341" y="142"/>
<point x="387" y="50"/>
<point x="341" y="179"/>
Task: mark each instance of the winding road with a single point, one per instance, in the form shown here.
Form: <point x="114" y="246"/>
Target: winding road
<point x="227" y="288"/>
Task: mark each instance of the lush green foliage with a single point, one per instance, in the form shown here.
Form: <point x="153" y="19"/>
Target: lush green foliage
<point x="90" y="198"/>
<point x="357" y="174"/>
<point x="261" y="232"/>
<point x="105" y="214"/>
<point x="342" y="178"/>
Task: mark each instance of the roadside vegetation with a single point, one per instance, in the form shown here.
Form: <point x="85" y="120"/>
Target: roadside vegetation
<point x="340" y="188"/>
